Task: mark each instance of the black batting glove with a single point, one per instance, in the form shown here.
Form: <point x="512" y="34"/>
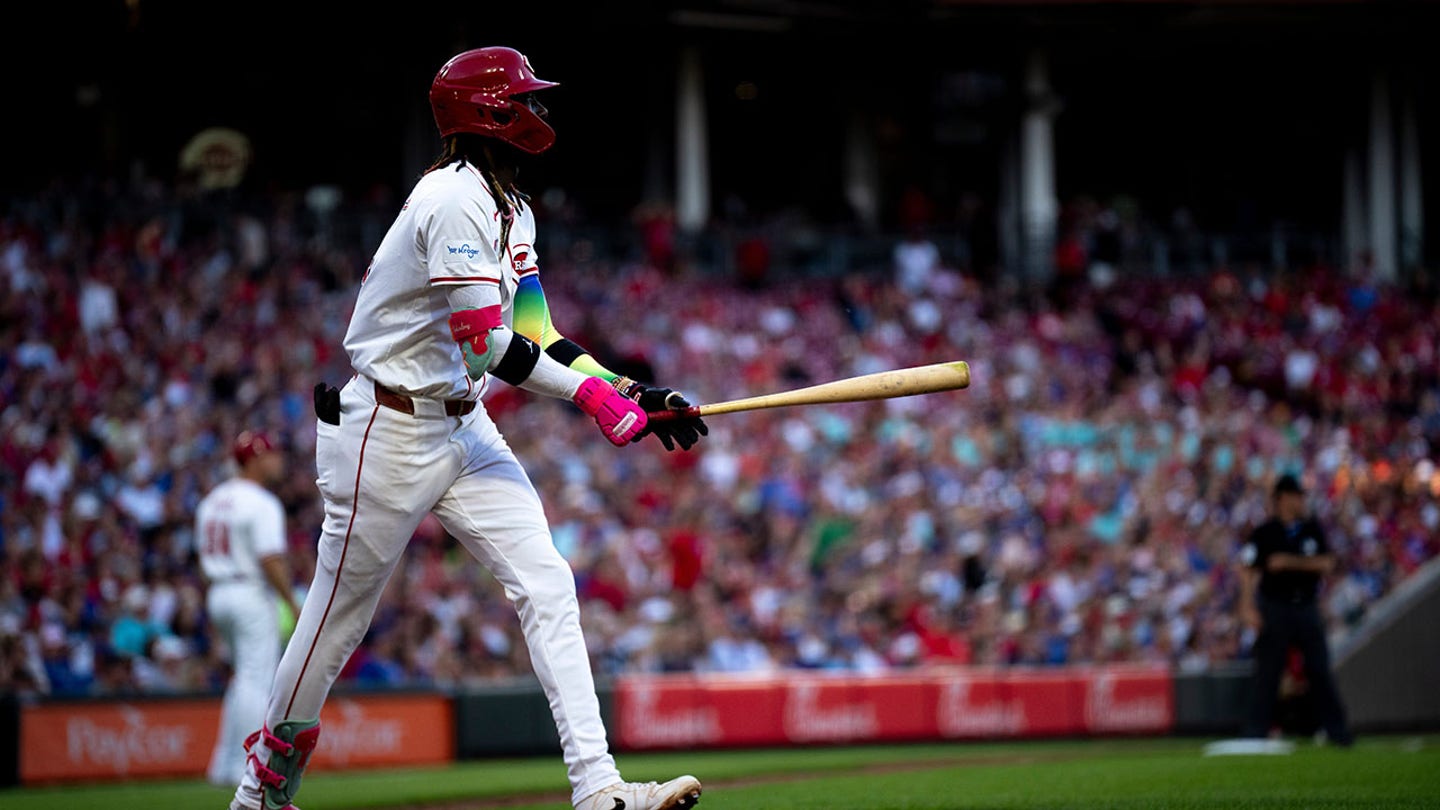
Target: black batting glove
<point x="684" y="432"/>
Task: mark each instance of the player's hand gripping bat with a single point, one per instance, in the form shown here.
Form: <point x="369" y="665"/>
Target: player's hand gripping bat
<point x="901" y="382"/>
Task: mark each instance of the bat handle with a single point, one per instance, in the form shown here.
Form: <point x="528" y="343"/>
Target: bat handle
<point x="673" y="413"/>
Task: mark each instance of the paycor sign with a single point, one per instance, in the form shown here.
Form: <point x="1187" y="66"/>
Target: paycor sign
<point x="96" y="740"/>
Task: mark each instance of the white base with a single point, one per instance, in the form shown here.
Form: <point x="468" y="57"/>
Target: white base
<point x="1249" y="747"/>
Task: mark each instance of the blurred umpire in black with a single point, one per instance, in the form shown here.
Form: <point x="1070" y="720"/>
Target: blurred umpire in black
<point x="1286" y="556"/>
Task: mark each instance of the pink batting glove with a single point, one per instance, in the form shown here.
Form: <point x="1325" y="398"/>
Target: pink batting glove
<point x="618" y="416"/>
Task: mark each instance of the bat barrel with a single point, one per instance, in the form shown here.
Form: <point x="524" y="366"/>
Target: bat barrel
<point x="881" y="385"/>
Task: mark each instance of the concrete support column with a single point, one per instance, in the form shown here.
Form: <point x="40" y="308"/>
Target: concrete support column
<point x="1412" y="213"/>
<point x="862" y="173"/>
<point x="692" y="158"/>
<point x="1384" y="228"/>
<point x="1039" y="207"/>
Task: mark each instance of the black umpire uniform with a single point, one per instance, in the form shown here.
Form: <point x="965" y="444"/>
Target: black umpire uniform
<point x="1289" y="615"/>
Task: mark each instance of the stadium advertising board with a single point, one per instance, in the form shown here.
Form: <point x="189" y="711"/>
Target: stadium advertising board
<point x="687" y="711"/>
<point x="95" y="740"/>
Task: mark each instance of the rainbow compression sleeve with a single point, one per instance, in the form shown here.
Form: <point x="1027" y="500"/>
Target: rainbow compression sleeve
<point x="532" y="319"/>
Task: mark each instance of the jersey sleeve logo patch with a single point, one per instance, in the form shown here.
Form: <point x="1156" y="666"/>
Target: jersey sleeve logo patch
<point x="520" y="257"/>
<point x="461" y="252"/>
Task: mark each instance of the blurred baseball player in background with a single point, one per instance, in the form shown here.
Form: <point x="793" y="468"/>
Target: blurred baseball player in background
<point x="240" y="531"/>
<point x="451" y="298"/>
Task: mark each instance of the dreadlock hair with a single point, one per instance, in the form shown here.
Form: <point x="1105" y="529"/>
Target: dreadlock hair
<point x="466" y="148"/>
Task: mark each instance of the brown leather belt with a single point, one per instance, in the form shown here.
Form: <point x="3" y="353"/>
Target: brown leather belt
<point x="404" y="404"/>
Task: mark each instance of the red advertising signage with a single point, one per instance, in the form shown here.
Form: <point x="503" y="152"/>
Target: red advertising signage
<point x="696" y="711"/>
<point x="93" y="740"/>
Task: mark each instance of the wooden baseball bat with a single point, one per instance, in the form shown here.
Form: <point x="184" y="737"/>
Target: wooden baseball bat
<point x="901" y="382"/>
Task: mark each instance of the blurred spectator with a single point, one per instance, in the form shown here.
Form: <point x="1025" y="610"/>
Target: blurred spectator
<point x="916" y="260"/>
<point x="1079" y="503"/>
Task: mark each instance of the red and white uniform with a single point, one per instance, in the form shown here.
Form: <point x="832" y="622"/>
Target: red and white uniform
<point x="381" y="470"/>
<point x="236" y="526"/>
<point x="448" y="233"/>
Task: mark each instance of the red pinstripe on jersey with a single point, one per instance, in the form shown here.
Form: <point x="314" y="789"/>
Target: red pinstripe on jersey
<point x="354" y="510"/>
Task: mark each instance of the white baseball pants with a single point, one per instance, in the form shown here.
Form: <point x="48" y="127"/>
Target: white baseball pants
<point x="380" y="471"/>
<point x="245" y="616"/>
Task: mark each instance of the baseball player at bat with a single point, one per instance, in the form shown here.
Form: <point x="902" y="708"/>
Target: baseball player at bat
<point x="451" y="299"/>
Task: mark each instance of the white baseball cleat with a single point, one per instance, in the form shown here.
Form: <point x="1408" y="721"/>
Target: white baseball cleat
<point x="677" y="794"/>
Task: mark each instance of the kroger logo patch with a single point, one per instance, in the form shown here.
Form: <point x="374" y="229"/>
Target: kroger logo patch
<point x="461" y="251"/>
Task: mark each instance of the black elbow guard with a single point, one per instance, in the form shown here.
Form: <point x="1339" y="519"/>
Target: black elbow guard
<point x="565" y="351"/>
<point x="519" y="360"/>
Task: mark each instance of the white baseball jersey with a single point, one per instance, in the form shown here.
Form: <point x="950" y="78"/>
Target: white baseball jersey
<point x="447" y="233"/>
<point x="238" y="524"/>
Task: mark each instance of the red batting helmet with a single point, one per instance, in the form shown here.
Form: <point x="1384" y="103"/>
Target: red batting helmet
<point x="250" y="444"/>
<point x="475" y="92"/>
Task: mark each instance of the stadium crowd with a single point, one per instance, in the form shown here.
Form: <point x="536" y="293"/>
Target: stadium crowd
<point x="1082" y="501"/>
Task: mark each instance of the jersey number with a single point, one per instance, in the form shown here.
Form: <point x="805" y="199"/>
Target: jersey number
<point x="217" y="539"/>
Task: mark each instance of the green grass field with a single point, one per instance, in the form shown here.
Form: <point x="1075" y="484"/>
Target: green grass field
<point x="1381" y="772"/>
